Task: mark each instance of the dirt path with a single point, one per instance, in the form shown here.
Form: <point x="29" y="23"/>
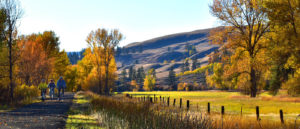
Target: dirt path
<point x="50" y="114"/>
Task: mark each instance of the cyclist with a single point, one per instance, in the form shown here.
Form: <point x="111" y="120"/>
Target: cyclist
<point x="51" y="87"/>
<point x="61" y="85"/>
<point x="43" y="88"/>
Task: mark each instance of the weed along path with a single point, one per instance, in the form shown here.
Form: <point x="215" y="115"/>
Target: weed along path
<point x="50" y="114"/>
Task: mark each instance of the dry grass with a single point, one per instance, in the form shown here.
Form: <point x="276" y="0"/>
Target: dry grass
<point x="281" y="99"/>
<point x="123" y="112"/>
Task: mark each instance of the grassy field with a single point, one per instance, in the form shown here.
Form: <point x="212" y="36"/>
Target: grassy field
<point x="233" y="102"/>
<point x="79" y="116"/>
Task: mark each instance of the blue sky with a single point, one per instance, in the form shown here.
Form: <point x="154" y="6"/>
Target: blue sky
<point x="138" y="20"/>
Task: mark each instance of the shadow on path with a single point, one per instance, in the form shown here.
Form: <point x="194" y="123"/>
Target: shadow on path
<point x="51" y="114"/>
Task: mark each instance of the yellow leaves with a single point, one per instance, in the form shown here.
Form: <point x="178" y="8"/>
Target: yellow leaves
<point x="134" y="85"/>
<point x="149" y="81"/>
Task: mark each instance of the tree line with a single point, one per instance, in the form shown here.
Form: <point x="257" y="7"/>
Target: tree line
<point x="26" y="59"/>
<point x="260" y="41"/>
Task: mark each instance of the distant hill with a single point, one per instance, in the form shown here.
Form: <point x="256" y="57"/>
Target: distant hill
<point x="154" y="53"/>
<point x="158" y="53"/>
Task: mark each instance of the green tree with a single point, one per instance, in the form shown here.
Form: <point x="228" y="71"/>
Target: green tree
<point x="130" y="73"/>
<point x="172" y="79"/>
<point x="187" y="65"/>
<point x="140" y="75"/>
<point x="123" y="78"/>
<point x="194" y="64"/>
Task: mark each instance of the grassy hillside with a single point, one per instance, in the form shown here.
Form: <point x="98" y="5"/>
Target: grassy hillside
<point x="171" y="48"/>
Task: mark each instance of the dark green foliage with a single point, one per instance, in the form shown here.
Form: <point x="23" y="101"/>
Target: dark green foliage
<point x="140" y="76"/>
<point x="275" y="82"/>
<point x="186" y="65"/>
<point x="190" y="49"/>
<point x="172" y="79"/>
<point x="118" y="51"/>
<point x="194" y="64"/>
<point x="74" y="57"/>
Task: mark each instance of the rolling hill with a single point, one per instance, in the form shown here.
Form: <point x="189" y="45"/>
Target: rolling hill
<point x="159" y="52"/>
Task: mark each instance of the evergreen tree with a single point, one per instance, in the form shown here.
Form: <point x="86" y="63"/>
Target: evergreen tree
<point x="118" y="51"/>
<point x="123" y="78"/>
<point x="154" y="73"/>
<point x="172" y="78"/>
<point x="134" y="73"/>
<point x="194" y="64"/>
<point x="131" y="73"/>
<point x="139" y="78"/>
<point x="187" y="65"/>
<point x="182" y="67"/>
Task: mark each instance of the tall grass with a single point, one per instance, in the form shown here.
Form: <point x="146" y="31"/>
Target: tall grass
<point x="123" y="112"/>
<point x="132" y="114"/>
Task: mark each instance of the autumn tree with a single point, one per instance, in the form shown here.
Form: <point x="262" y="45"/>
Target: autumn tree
<point x="32" y="68"/>
<point x="216" y="80"/>
<point x="103" y="43"/>
<point x="13" y="12"/>
<point x="284" y="45"/>
<point x="246" y="25"/>
<point x="149" y="82"/>
<point x="61" y="63"/>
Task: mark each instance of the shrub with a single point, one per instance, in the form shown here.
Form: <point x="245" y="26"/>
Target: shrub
<point x="26" y="93"/>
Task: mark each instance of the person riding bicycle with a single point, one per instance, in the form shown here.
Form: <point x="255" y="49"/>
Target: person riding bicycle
<point x="61" y="86"/>
<point x="51" y="87"/>
<point x="43" y="87"/>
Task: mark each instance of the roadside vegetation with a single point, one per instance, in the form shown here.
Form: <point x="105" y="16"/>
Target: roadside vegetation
<point x="124" y="111"/>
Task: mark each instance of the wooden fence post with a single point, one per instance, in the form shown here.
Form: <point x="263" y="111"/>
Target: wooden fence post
<point x="223" y="110"/>
<point x="151" y="100"/>
<point x="281" y="116"/>
<point x="208" y="108"/>
<point x="180" y="103"/>
<point x="257" y="113"/>
<point x="174" y="102"/>
<point x="188" y="104"/>
<point x="159" y="98"/>
<point x="144" y="98"/>
<point x="241" y="110"/>
<point x="168" y="101"/>
<point x="163" y="100"/>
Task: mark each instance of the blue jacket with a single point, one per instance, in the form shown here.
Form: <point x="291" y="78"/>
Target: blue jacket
<point x="61" y="84"/>
<point x="51" y="85"/>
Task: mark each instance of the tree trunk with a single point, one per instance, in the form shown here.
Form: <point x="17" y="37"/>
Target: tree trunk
<point x="100" y="84"/>
<point x="10" y="68"/>
<point x="106" y="79"/>
<point x="253" y="87"/>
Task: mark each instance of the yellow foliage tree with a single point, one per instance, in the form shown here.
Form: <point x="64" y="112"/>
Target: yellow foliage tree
<point x="149" y="82"/>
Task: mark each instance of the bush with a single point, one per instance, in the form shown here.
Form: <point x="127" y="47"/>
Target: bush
<point x="26" y="93"/>
<point x="4" y="94"/>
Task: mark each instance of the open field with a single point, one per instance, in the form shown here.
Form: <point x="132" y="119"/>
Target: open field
<point x="233" y="102"/>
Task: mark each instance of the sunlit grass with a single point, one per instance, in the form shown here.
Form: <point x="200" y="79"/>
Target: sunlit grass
<point x="233" y="102"/>
<point x="80" y="116"/>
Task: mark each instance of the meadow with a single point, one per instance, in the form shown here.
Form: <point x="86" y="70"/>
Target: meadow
<point x="235" y="103"/>
<point x="130" y="110"/>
